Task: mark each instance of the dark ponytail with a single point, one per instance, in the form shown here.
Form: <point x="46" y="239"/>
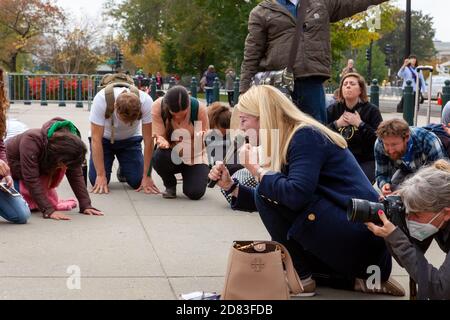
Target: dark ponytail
<point x="175" y="100"/>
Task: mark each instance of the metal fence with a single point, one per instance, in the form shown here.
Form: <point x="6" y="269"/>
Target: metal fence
<point x="49" y="88"/>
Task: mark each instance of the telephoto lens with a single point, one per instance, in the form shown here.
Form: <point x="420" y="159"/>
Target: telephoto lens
<point x="364" y="211"/>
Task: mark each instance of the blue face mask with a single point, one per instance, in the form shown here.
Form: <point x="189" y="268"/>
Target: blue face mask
<point x="422" y="231"/>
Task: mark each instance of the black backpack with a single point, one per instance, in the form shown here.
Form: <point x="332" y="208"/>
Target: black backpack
<point x="439" y="131"/>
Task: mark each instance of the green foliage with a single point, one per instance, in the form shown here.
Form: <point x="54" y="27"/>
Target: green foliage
<point x="422" y="38"/>
<point x="192" y="33"/>
<point x="379" y="70"/>
<point x="351" y="36"/>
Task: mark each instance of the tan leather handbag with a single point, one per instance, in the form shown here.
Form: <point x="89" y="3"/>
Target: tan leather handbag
<point x="260" y="270"/>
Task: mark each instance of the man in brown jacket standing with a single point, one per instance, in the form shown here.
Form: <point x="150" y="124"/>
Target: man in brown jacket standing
<point x="272" y="28"/>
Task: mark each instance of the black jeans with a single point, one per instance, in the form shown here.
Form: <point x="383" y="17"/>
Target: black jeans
<point x="195" y="178"/>
<point x="231" y="98"/>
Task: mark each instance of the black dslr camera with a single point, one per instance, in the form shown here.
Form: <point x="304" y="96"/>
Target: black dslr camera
<point x="365" y="211"/>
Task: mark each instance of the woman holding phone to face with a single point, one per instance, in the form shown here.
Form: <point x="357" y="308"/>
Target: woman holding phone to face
<point x="12" y="208"/>
<point x="409" y="72"/>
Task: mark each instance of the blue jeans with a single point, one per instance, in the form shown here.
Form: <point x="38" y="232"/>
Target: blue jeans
<point x="309" y="96"/>
<point x="14" y="209"/>
<point x="129" y="155"/>
<point x="331" y="249"/>
<point x="209" y="96"/>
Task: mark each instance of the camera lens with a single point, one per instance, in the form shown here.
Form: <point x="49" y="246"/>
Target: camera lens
<point x="364" y="211"/>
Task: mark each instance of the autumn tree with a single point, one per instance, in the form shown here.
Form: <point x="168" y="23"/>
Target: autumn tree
<point x="73" y="49"/>
<point x="352" y="36"/>
<point x="149" y="58"/>
<point x="192" y="33"/>
<point x="22" y="22"/>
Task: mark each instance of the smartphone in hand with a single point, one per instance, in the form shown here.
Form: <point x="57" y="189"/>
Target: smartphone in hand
<point x="13" y="192"/>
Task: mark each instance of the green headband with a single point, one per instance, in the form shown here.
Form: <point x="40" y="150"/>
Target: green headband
<point x="63" y="124"/>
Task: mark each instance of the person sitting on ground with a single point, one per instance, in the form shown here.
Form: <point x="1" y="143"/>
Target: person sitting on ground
<point x="39" y="160"/>
<point x="179" y="124"/>
<point x="401" y="151"/>
<point x="303" y="193"/>
<point x="120" y="135"/>
<point x="12" y="208"/>
<point x="357" y="120"/>
<point x="426" y="197"/>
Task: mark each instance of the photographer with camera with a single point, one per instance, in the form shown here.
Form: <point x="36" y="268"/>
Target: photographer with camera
<point x="401" y="151"/>
<point x="303" y="190"/>
<point x="426" y="198"/>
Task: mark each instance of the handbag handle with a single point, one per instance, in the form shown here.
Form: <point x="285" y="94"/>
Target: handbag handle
<point x="301" y="16"/>
<point x="293" y="280"/>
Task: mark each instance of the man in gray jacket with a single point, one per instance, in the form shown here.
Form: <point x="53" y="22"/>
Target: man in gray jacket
<point x="272" y="27"/>
<point x="426" y="197"/>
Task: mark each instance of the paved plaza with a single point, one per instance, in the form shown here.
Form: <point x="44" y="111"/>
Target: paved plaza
<point x="145" y="247"/>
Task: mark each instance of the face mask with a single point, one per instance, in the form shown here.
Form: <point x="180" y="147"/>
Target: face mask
<point x="422" y="231"/>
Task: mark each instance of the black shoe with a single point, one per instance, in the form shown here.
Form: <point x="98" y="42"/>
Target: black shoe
<point x="170" y="193"/>
<point x="120" y="177"/>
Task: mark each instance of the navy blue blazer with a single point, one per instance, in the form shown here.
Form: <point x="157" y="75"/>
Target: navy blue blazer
<point x="320" y="178"/>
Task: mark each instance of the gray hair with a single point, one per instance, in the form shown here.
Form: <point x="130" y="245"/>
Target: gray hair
<point x="428" y="190"/>
<point x="446" y="114"/>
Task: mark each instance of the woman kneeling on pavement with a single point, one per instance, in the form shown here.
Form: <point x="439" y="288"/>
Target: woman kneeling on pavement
<point x="303" y="195"/>
<point x="13" y="208"/>
<point x="179" y="125"/>
<point x="426" y="197"/>
<point x="39" y="160"/>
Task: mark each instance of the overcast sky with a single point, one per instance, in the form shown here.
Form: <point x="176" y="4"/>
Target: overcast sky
<point x="439" y="9"/>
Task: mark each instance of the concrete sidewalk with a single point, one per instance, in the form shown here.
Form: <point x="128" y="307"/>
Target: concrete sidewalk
<point x="144" y="248"/>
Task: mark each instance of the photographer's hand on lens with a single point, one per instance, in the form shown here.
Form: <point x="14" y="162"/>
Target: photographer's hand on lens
<point x="384" y="231"/>
<point x="220" y="174"/>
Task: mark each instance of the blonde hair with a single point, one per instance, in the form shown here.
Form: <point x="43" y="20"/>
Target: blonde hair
<point x="276" y="111"/>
